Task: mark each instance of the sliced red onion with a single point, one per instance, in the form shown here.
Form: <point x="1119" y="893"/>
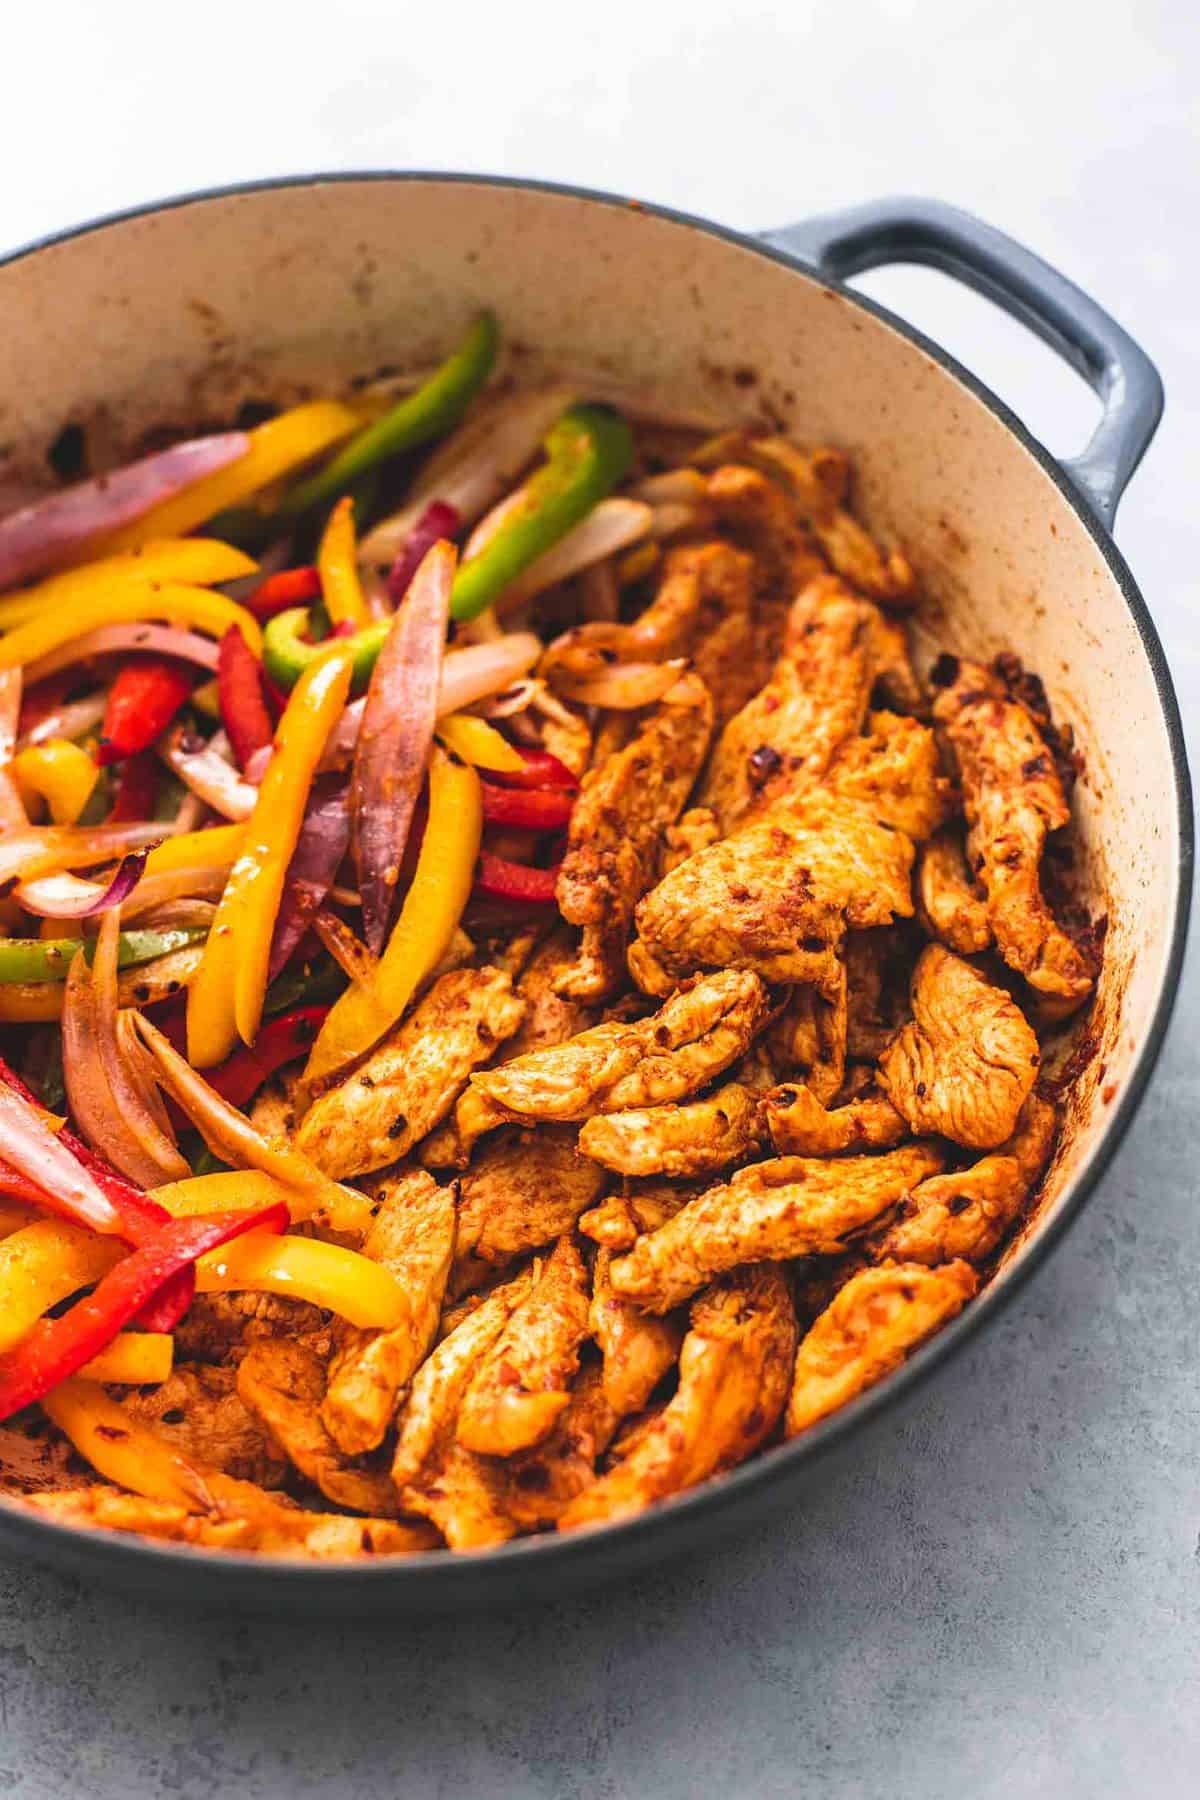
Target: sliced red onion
<point x="439" y="520"/>
<point x="66" y="897"/>
<point x="13" y="816"/>
<point x="512" y="701"/>
<point x="45" y="849"/>
<point x="256" y="765"/>
<point x="72" y="721"/>
<point x="623" y="686"/>
<point x="395" y="737"/>
<point x="205" y="771"/>
<point x="28" y="1144"/>
<point x="163" y="640"/>
<point x="49" y="531"/>
<point x="319" y="854"/>
<point x="190" y="815"/>
<point x="348" y="951"/>
<point x="611" y="526"/>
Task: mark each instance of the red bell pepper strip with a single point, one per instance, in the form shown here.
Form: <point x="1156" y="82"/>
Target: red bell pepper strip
<point x="142" y="701"/>
<point x="541" y="771"/>
<point x="240" y="695"/>
<point x="535" y="809"/>
<point x="279" y="1042"/>
<point x="290" y="587"/>
<point x="57" y="1348"/>
<point x="439" y="520"/>
<point x="498" y="879"/>
<point x="137" y="789"/>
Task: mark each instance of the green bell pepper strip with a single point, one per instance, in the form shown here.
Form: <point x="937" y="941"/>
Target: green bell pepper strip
<point x="588" y="452"/>
<point x="428" y="413"/>
<point x="48" y="959"/>
<point x="287" y="653"/>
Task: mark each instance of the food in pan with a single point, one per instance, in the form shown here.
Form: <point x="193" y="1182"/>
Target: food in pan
<point x="516" y="993"/>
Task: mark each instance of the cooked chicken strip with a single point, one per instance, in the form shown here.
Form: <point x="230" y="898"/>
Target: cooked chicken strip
<point x="758" y="515"/>
<point x="638" y="1349"/>
<point x="620" y="1219"/>
<point x="218" y="1328"/>
<point x="523" y="1189"/>
<point x="734" y="1370"/>
<point x="897" y="683"/>
<point x="274" y="1529"/>
<point x="199" y="1412"/>
<point x="540" y="1483"/>
<point x="523" y="1381"/>
<point x="875" y="1320"/>
<point x="948" y="905"/>
<point x="965" y="1063"/>
<point x="412" y="1235"/>
<point x="1013" y="797"/>
<point x="800" y="1126"/>
<point x="894" y="771"/>
<point x="283" y="1385"/>
<point x="409" y="1084"/>
<point x="815" y="699"/>
<point x="776" y="897"/>
<point x="808" y="1039"/>
<point x="696" y="830"/>
<point x="697" y="1138"/>
<point x="967" y="1214"/>
<point x="616" y="831"/>
<point x="700" y="1031"/>
<point x="790" y="1206"/>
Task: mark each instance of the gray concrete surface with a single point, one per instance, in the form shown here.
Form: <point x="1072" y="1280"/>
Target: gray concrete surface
<point x="1003" y="1600"/>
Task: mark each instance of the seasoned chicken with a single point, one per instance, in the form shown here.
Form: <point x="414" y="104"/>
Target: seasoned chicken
<point x="638" y="1349"/>
<point x="1013" y="797"/>
<point x="757" y="515"/>
<point x="615" y="835"/>
<point x="696" y="830"/>
<point x="800" y="1126"/>
<point x="893" y="770"/>
<point x="776" y="897"/>
<point x="697" y="1138"/>
<point x="408" y="1085"/>
<point x="808" y="1039"/>
<point x="878" y="972"/>
<point x="620" y="1219"/>
<point x="790" y="1206"/>
<point x="540" y="1483"/>
<point x="897" y="683"/>
<point x="734" y="1369"/>
<point x="283" y="1385"/>
<point x="700" y="1031"/>
<point x="275" y="1529"/>
<point x="523" y="1381"/>
<point x="967" y="1214"/>
<point x="948" y="904"/>
<point x="964" y="1064"/>
<point x="413" y="1236"/>
<point x="523" y="1189"/>
<point x="815" y="699"/>
<point x="199" y="1412"/>
<point x="218" y="1328"/>
<point x="435" y="1476"/>
<point x="874" y="1321"/>
<point x="272" y="1114"/>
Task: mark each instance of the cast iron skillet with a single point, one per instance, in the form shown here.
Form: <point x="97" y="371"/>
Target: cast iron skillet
<point x="830" y="248"/>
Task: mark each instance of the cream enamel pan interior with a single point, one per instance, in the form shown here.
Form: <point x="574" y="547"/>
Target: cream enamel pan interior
<point x="176" y="314"/>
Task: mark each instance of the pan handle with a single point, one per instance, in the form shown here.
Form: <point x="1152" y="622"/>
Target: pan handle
<point x="838" y="245"/>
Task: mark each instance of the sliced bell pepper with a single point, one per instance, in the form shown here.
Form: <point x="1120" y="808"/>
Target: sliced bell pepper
<point x="46" y="1263"/>
<point x="439" y="520"/>
<point x="435" y="406"/>
<point x="48" y="959"/>
<point x="240" y="696"/>
<point x="345" y="1282"/>
<point x="289" y="587"/>
<point x="59" y="772"/>
<point x="227" y="1190"/>
<point x="287" y="651"/>
<point x="137" y="789"/>
<point x="276" y="449"/>
<point x="431" y="911"/>
<point x="500" y="879"/>
<point x="201" y="562"/>
<point x="587" y="453"/>
<point x="15" y="1215"/>
<point x="539" y="769"/>
<point x="279" y="1042"/>
<point x="57" y="1348"/>
<point x="142" y="701"/>
<point x="477" y="742"/>
<point x="122" y="1450"/>
<point x="226" y="998"/>
<point x="133" y="1359"/>
<point x="216" y="848"/>
<point x="533" y="809"/>
<point x="342" y="590"/>
<point x="172" y="601"/>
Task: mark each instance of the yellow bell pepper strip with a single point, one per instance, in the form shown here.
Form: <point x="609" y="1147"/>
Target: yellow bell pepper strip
<point x="60" y="773"/>
<point x="230" y="1190"/>
<point x="120" y="1449"/>
<point x="429" y="412"/>
<point x="587" y="453"/>
<point x="276" y="449"/>
<point x="430" y="914"/>
<point x="226" y="998"/>
<point x="199" y="562"/>
<point x="215" y="849"/>
<point x="340" y="586"/>
<point x="172" y="601"/>
<point x="232" y="1138"/>
<point x="206" y="699"/>
<point x="133" y="1358"/>
<point x="479" y="743"/>
<point x="44" y="1263"/>
<point x="343" y="1281"/>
